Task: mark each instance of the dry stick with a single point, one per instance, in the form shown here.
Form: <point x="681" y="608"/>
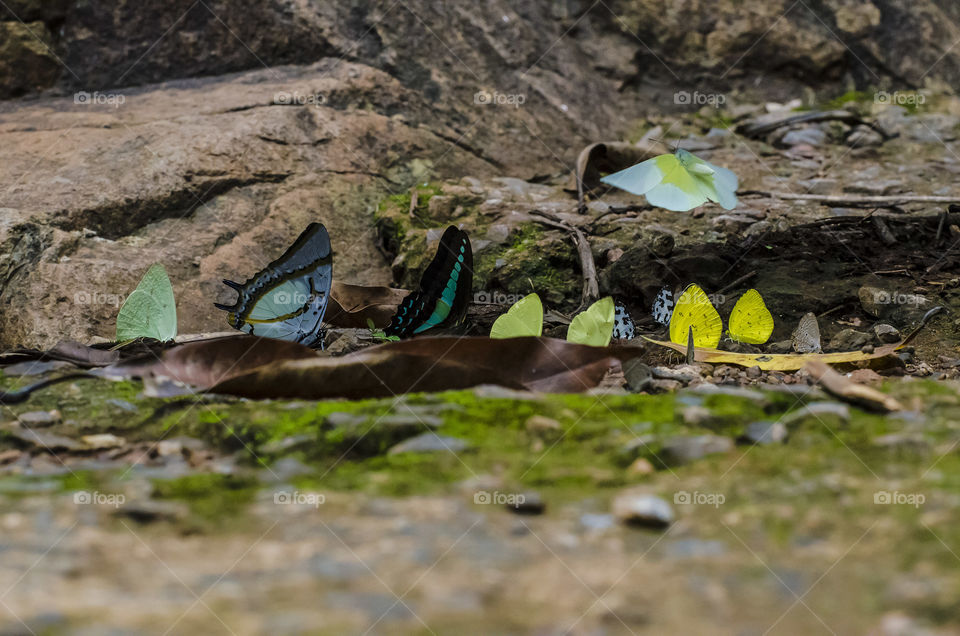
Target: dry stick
<point x="882" y="201"/>
<point x="414" y="200"/>
<point x="737" y="282"/>
<point x="591" y="288"/>
<point x="883" y="231"/>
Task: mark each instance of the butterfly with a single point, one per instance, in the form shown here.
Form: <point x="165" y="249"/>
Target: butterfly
<point x="694" y="310"/>
<point x="444" y="291"/>
<point x="679" y="182"/>
<point x="750" y="321"/>
<point x="806" y="337"/>
<point x="663" y="306"/>
<point x="288" y="298"/>
<point x="524" y="318"/>
<point x="622" y="323"/>
<point x="593" y="326"/>
<point x="150" y="310"/>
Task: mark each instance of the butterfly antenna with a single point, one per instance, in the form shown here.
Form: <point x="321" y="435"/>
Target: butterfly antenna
<point x="691" y="354"/>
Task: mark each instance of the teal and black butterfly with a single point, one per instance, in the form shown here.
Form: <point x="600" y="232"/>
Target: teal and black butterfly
<point x="445" y="289"/>
<point x="288" y="298"/>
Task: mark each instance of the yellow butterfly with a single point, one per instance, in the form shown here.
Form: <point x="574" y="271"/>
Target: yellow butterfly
<point x="750" y="321"/>
<point x="694" y="310"/>
<point x="524" y="318"/>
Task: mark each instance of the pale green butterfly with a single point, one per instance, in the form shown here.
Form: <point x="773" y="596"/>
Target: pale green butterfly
<point x="150" y="310"/>
<point x="595" y="325"/>
<point x="524" y="318"/>
<point x="678" y="182"/>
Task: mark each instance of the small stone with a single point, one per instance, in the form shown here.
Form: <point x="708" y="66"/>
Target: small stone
<point x="754" y="372"/>
<point x="696" y="415"/>
<point x="39" y="418"/>
<point x="681" y="450"/>
<point x="764" y="433"/>
<point x="641" y="509"/>
<point x="103" y="440"/>
<point x="666" y="373"/>
<point x="428" y="443"/>
<point x="817" y="411"/>
<point x="666" y="386"/>
<point x="783" y="346"/>
<point x="637" y="374"/>
<point x="867" y="349"/>
<point x="614" y="255"/>
<point x="804" y="136"/>
<point x="594" y="522"/>
<point x="903" y="441"/>
<point x="540" y="424"/>
<point x="849" y="340"/>
<point x="887" y="334"/>
<point x="864" y="376"/>
<point x="641" y="466"/>
<point x="757" y="229"/>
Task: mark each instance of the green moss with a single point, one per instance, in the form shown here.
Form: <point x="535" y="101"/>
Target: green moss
<point x="211" y="497"/>
<point x="850" y="97"/>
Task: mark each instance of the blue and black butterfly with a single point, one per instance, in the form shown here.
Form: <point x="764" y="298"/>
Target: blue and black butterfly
<point x="288" y="298"/>
<point x="445" y="289"/>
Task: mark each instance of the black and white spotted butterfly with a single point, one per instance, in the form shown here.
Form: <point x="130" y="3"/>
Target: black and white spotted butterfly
<point x="622" y="323"/>
<point x="663" y="306"/>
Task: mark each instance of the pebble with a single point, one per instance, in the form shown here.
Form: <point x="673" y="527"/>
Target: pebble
<point x="849" y="340"/>
<point x="804" y="136"/>
<point x="594" y="522"/>
<point x="818" y="410"/>
<point x="681" y="450"/>
<point x="429" y="442"/>
<point x="696" y="415"/>
<point x="637" y="374"/>
<point x="864" y="376"/>
<point x="642" y="509"/>
<point x="539" y="424"/>
<point x="666" y="373"/>
<point x="103" y="440"/>
<point x="887" y="334"/>
<point x="666" y="386"/>
<point x="641" y="466"/>
<point x="39" y="418"/>
<point x="764" y="433"/>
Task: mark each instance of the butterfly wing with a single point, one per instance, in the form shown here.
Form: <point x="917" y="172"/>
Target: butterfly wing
<point x="444" y="291"/>
<point x="717" y="184"/>
<point x="287" y="299"/>
<point x="150" y="311"/>
<point x="806" y="337"/>
<point x="678" y="190"/>
<point x="662" y="309"/>
<point x="638" y="179"/>
<point x="694" y="309"/>
<point x="595" y="325"/>
<point x="524" y="318"/>
<point x="751" y="321"/>
<point x="623" y="328"/>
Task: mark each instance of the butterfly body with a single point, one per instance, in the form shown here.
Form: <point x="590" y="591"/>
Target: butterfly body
<point x="444" y="291"/>
<point x="288" y="298"/>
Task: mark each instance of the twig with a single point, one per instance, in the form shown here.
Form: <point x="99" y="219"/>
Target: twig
<point x="884" y="231"/>
<point x="737" y="282"/>
<point x="591" y="288"/>
<point x="414" y="200"/>
<point x="883" y="201"/>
